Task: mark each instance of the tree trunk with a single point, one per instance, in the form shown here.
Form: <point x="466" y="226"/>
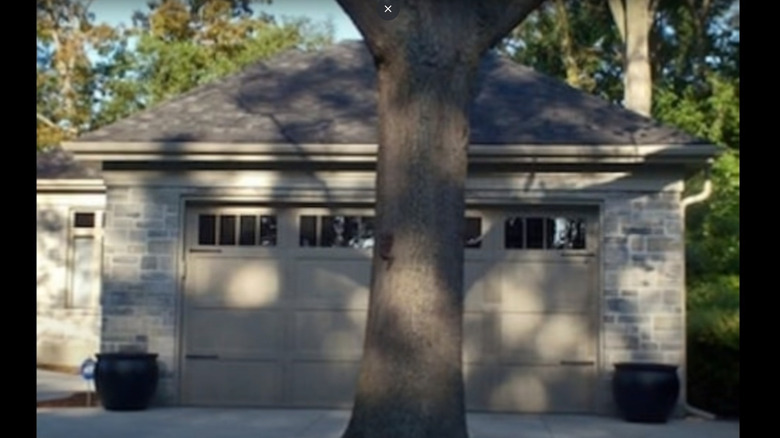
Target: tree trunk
<point x="634" y="19"/>
<point x="411" y="378"/>
<point x="411" y="382"/>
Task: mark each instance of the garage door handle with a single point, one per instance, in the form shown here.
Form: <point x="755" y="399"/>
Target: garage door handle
<point x="578" y="362"/>
<point x="205" y="250"/>
<point x="202" y="356"/>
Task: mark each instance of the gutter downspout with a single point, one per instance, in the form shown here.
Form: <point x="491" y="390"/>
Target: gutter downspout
<point x="685" y="203"/>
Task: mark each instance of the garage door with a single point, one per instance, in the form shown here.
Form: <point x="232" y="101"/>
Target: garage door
<point x="276" y="299"/>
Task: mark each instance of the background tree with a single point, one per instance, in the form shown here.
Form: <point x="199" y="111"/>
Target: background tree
<point x="411" y="378"/>
<point x="91" y="75"/>
<point x="634" y="19"/>
<point x="66" y="33"/>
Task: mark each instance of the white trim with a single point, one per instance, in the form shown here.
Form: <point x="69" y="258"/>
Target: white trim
<point x="262" y="152"/>
<point x="71" y="185"/>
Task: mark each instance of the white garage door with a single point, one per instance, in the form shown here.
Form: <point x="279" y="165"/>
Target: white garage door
<point x="275" y="305"/>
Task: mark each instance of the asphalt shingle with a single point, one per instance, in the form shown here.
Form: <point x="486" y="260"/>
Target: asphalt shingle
<point x="330" y="97"/>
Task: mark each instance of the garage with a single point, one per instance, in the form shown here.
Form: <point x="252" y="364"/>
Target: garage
<point x="238" y="236"/>
<point x="275" y="305"/>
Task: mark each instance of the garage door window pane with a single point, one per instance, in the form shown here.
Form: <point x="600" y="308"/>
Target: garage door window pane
<point x="206" y="229"/>
<point x="308" y="231"/>
<point x="268" y="230"/>
<point x="364" y="238"/>
<point x="247" y="232"/>
<point x="535" y="232"/>
<point x="346" y="231"/>
<point x="227" y="230"/>
<point x="513" y="233"/>
<point x="473" y="232"/>
<point x="566" y="233"/>
<point x="550" y="232"/>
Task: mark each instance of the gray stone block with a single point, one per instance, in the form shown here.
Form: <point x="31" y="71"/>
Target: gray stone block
<point x="622" y="342"/>
<point x="157" y="233"/>
<point x="129" y="211"/>
<point x="155" y="276"/>
<point x="162" y="247"/>
<point x="151" y="224"/>
<point x="149" y="263"/>
<point x="647" y="356"/>
<point x="622" y="305"/>
<point x="633" y="319"/>
<point x="659" y="244"/>
<point x="667" y="323"/>
<point x="125" y="259"/>
<point x="649" y="346"/>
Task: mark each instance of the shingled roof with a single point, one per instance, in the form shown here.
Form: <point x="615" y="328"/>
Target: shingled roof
<point x="55" y="163"/>
<point x="329" y="97"/>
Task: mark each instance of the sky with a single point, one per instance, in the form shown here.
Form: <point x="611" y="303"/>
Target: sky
<point x="114" y="12"/>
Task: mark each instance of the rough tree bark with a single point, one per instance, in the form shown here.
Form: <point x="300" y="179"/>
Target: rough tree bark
<point x="634" y="19"/>
<point x="411" y="380"/>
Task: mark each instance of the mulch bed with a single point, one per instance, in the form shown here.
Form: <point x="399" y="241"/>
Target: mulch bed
<point x="75" y="400"/>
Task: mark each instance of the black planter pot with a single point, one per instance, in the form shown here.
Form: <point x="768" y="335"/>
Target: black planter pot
<point x="645" y="392"/>
<point x="126" y="381"/>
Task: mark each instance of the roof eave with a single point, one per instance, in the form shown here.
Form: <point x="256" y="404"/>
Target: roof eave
<point x="268" y="152"/>
<point x="81" y="185"/>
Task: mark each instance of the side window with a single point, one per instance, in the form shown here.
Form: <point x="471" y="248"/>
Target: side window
<point x="85" y="257"/>
<point x="545" y="233"/>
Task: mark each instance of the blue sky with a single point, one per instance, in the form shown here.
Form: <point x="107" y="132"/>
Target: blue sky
<point x="115" y="12"/>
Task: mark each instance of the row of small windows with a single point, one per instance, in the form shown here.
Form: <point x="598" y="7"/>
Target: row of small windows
<point x="231" y="230"/>
<point x="358" y="231"/>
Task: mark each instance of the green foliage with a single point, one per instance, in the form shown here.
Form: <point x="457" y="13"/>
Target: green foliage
<point x="713" y="344"/>
<point x="174" y="46"/>
<point x="573" y="40"/>
<point x="66" y="32"/>
<point x="170" y="68"/>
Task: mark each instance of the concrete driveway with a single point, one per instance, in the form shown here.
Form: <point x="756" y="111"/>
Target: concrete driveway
<point x="53" y="385"/>
<point x="269" y="423"/>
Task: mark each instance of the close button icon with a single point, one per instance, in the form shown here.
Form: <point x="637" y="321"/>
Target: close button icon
<point x="387" y="9"/>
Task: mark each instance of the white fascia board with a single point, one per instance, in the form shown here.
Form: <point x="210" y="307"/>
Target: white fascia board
<point x="266" y="152"/>
<point x="94" y="185"/>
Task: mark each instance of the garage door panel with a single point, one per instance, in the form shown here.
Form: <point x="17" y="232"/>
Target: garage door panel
<point x="549" y="286"/>
<point x="476" y="275"/>
<point x="542" y="389"/>
<point x="324" y="384"/>
<point x="329" y="284"/>
<point x="546" y="338"/>
<point x="237" y="383"/>
<point x="329" y="334"/>
<point x="475" y="339"/>
<point x="234" y="333"/>
<point x="479" y="384"/>
<point x="238" y="282"/>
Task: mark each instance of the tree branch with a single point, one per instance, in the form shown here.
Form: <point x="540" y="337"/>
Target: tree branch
<point x="47" y="121"/>
<point x="365" y="17"/>
<point x="498" y="18"/>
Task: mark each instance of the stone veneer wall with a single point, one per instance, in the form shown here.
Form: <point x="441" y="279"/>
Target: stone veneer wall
<point x="140" y="288"/>
<point x="642" y="279"/>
